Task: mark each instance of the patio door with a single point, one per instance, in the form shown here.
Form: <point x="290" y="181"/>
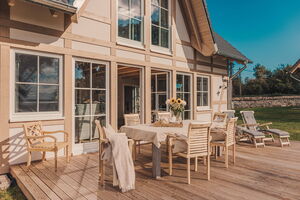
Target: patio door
<point x="90" y="103"/>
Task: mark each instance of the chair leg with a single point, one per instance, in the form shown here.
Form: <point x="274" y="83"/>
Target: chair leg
<point x="139" y="147"/>
<point x="196" y="164"/>
<point x="216" y="153"/>
<point x="44" y="156"/>
<point x="55" y="161"/>
<point x="170" y="159"/>
<point x="226" y="157"/>
<point x="102" y="173"/>
<point x="208" y="167"/>
<point x="67" y="154"/>
<point x="280" y="140"/>
<point x="189" y="170"/>
<point x="233" y="152"/>
<point x="134" y="151"/>
<point x="29" y="159"/>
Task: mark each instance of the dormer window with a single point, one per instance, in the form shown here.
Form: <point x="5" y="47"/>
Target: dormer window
<point x="130" y="19"/>
<point x="160" y="23"/>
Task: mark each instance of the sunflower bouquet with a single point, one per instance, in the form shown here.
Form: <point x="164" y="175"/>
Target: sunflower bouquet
<point x="176" y="106"/>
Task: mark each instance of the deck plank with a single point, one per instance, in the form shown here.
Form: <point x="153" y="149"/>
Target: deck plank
<point x="263" y="173"/>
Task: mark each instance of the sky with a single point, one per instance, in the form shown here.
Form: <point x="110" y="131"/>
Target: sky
<point x="266" y="31"/>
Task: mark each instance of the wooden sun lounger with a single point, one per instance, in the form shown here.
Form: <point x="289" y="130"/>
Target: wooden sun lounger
<point x="256" y="137"/>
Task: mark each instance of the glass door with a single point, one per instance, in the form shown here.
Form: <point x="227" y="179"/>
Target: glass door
<point x="90" y="93"/>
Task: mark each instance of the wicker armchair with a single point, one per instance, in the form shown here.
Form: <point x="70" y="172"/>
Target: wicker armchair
<point x="35" y="138"/>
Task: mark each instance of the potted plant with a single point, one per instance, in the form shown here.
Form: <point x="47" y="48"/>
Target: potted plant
<point x="176" y="107"/>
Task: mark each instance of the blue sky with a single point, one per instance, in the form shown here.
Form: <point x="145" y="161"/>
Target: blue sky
<point x="266" y="31"/>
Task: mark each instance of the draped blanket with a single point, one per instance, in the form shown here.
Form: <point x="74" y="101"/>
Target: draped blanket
<point x="118" y="153"/>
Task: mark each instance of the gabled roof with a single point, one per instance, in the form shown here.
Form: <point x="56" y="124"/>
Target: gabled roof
<point x="296" y="68"/>
<point x="227" y="50"/>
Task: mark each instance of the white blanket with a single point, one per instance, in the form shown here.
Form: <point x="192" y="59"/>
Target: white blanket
<point x="119" y="154"/>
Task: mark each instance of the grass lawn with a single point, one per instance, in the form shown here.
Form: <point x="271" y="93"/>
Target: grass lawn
<point x="284" y="118"/>
<point x="13" y="193"/>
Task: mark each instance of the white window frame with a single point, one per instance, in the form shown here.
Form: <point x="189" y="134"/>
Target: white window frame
<point x="199" y="108"/>
<point x="157" y="48"/>
<point x="168" y="74"/>
<point x="191" y="91"/>
<point x="32" y="116"/>
<point x="130" y="42"/>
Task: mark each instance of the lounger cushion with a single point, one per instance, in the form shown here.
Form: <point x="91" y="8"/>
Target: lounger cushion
<point x="277" y="132"/>
<point x="255" y="134"/>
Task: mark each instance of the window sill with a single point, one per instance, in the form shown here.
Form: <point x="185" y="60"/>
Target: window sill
<point x="161" y="50"/>
<point x="200" y="109"/>
<point x="36" y="117"/>
<point x="130" y="43"/>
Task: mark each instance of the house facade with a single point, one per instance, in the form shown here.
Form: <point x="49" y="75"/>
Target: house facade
<point x="67" y="63"/>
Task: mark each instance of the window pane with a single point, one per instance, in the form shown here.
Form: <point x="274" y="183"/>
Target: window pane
<point x="123" y="7"/>
<point x="153" y="86"/>
<point x="205" y="84"/>
<point x="199" y="99"/>
<point x="153" y="101"/>
<point x="136" y="9"/>
<point x="188" y="102"/>
<point x="26" y="98"/>
<point x="179" y="83"/>
<point x="82" y="74"/>
<point x="48" y="98"/>
<point x="180" y="95"/>
<point x="136" y="27"/>
<point x="162" y="98"/>
<point x="155" y="15"/>
<point x="98" y="103"/>
<point x="187" y="83"/>
<point x="164" y="4"/>
<point x="162" y="83"/>
<point x="155" y="2"/>
<point x="155" y="35"/>
<point x="164" y="38"/>
<point x="49" y="70"/>
<point x="82" y="129"/>
<point x="123" y="23"/>
<point x="98" y="76"/>
<point x="205" y="99"/>
<point x="199" y="80"/>
<point x="26" y="68"/>
<point x="187" y="115"/>
<point x="82" y="102"/>
<point x="164" y="18"/>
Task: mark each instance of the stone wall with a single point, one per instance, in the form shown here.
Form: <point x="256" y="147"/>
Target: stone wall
<point x="252" y="102"/>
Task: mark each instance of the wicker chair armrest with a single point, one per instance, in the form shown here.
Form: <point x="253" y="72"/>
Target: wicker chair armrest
<point x="66" y="134"/>
<point x="42" y="137"/>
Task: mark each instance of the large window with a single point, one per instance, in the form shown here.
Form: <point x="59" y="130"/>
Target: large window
<point x="160" y="23"/>
<point x="183" y="88"/>
<point x="159" y="90"/>
<point x="90" y="99"/>
<point x="130" y="19"/>
<point x="202" y="92"/>
<point x="38" y="82"/>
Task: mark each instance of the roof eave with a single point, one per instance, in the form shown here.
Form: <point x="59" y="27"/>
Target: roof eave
<point x="66" y="8"/>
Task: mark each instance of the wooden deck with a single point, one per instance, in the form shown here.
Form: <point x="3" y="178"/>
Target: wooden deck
<point x="262" y="173"/>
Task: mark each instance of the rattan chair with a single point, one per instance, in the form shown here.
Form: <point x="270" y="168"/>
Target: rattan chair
<point x="198" y="145"/>
<point x="35" y="138"/>
<point x="229" y="140"/>
<point x="102" y="142"/>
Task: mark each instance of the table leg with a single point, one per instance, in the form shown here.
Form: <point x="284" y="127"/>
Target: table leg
<point x="156" y="159"/>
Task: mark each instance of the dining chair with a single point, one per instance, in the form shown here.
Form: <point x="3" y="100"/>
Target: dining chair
<point x="229" y="140"/>
<point x="197" y="145"/>
<point x="35" y="138"/>
<point x="163" y="116"/>
<point x="102" y="142"/>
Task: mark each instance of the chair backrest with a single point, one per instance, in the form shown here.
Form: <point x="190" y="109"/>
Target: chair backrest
<point x="230" y="131"/>
<point x="219" y="120"/>
<point x="132" y="119"/>
<point x="230" y="114"/>
<point x="248" y="118"/>
<point x="33" y="129"/>
<point x="163" y="116"/>
<point x="101" y="131"/>
<point x="198" y="139"/>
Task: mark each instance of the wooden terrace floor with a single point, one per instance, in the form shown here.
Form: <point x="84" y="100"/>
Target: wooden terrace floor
<point x="262" y="173"/>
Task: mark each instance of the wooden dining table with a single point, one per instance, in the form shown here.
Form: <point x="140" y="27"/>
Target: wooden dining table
<point x="158" y="135"/>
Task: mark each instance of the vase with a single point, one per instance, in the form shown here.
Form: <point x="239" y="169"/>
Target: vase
<point x="177" y="117"/>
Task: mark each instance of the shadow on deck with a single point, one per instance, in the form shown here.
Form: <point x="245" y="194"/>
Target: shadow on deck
<point x="262" y="173"/>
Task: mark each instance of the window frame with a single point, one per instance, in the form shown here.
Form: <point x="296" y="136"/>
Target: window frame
<point x="190" y="92"/>
<point x="127" y="41"/>
<point x="199" y="108"/>
<point x="159" y="48"/>
<point x="157" y="93"/>
<point x="40" y="115"/>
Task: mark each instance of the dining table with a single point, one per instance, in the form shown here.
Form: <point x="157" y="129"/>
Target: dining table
<point x="158" y="135"/>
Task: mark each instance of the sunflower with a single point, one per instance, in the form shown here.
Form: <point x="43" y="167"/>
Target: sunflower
<point x="173" y="100"/>
<point x="179" y="101"/>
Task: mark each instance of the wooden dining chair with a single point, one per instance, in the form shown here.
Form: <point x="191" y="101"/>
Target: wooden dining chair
<point x="35" y="137"/>
<point x="198" y="145"/>
<point x="229" y="140"/>
<point x="163" y="116"/>
<point x="219" y="120"/>
<point x="102" y="142"/>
